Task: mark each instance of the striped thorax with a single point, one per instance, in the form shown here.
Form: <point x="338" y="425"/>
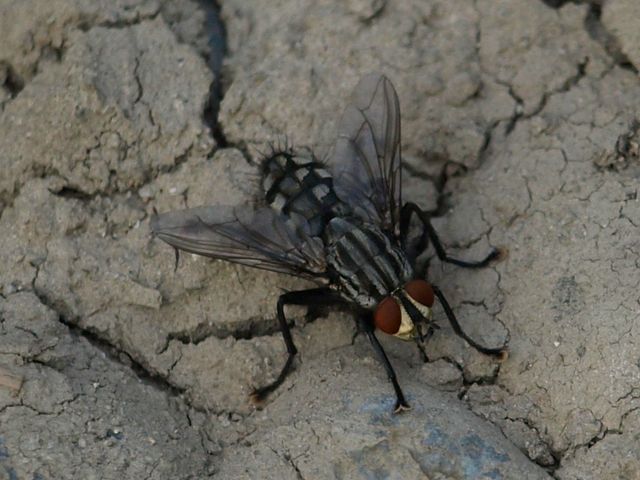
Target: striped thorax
<point x="368" y="267"/>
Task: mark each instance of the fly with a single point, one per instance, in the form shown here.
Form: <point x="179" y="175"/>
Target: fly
<point x="342" y="225"/>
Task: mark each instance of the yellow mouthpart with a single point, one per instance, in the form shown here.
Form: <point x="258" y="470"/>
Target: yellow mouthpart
<point x="407" y="330"/>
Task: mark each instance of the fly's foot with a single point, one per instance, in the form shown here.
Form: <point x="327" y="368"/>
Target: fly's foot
<point x="498" y="254"/>
<point x="499" y="354"/>
<point x="259" y="395"/>
<point x="257" y="399"/>
<point x="502" y="355"/>
<point x="401" y="406"/>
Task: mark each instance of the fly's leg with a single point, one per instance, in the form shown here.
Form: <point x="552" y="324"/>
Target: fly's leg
<point x="421" y="339"/>
<point x="313" y="296"/>
<point x="430" y="233"/>
<point x="401" y="403"/>
<point x="500" y="353"/>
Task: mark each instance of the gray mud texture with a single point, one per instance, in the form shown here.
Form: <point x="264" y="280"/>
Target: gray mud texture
<point x="520" y="128"/>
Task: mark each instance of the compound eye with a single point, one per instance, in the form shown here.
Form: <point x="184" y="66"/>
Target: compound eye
<point x="387" y="316"/>
<point x="421" y="291"/>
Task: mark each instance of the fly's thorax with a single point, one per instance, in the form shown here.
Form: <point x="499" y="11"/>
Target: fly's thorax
<point x="366" y="263"/>
<point x="296" y="184"/>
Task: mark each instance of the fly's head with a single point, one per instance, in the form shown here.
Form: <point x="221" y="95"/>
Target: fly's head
<point x="399" y="313"/>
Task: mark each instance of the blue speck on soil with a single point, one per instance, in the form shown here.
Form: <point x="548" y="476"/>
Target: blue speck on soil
<point x="434" y="436"/>
<point x="380" y="405"/>
<point x="437" y="462"/>
<point x="475" y="447"/>
<point x="11" y="473"/>
<point x="438" y="438"/>
<point x="4" y="452"/>
<point x="494" y="474"/>
<point x="380" y="410"/>
<point x="375" y="474"/>
<point x="381" y="433"/>
<point x="470" y="455"/>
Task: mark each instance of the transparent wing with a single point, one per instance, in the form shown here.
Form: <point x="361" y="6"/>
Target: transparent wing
<point x="257" y="238"/>
<point x="366" y="160"/>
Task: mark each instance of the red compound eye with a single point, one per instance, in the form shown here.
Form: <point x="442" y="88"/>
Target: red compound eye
<point x="387" y="316"/>
<point x="420" y="291"/>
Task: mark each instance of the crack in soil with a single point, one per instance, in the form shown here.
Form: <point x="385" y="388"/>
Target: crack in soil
<point x="597" y="31"/>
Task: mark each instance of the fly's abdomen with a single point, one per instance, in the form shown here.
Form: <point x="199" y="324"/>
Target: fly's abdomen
<point x="295" y="184"/>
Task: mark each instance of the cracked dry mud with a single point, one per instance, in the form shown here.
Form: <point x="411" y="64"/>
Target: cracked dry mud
<point x="519" y="129"/>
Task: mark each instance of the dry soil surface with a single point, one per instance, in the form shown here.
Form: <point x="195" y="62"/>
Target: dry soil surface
<point x="519" y="129"/>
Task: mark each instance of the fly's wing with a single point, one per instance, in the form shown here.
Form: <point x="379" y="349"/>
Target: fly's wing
<point x="257" y="238"/>
<point x="366" y="160"/>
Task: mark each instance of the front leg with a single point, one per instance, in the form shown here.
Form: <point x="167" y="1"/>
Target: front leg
<point x="312" y="296"/>
<point x="422" y="338"/>
<point x="499" y="353"/>
<point x="401" y="403"/>
<point x="429" y="232"/>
